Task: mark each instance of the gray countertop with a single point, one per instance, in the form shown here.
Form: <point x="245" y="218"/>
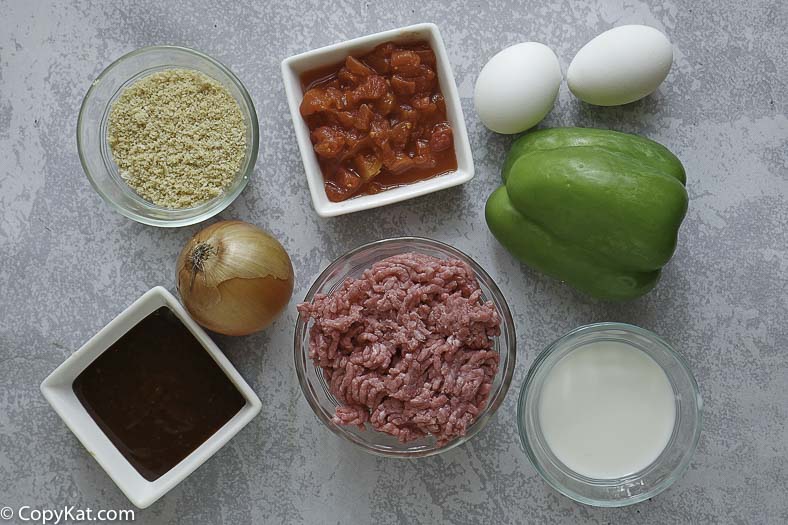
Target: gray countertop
<point x="68" y="263"/>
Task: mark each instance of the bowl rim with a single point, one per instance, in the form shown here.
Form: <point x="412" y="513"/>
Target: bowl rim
<point x="465" y="166"/>
<point x="493" y="404"/>
<point x="245" y="172"/>
<point x="677" y="472"/>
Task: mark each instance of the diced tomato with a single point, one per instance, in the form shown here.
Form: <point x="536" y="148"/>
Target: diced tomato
<point x="442" y="138"/>
<point x="402" y="86"/>
<point x="356" y="67"/>
<point x="378" y="120"/>
<point x="329" y="142"/>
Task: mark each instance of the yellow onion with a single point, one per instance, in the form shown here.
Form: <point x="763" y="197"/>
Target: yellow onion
<point x="234" y="278"/>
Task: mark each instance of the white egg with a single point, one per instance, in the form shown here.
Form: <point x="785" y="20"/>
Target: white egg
<point x="620" y="66"/>
<point x="517" y="87"/>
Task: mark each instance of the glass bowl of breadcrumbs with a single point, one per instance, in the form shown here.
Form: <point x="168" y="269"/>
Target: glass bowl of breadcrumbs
<point x="167" y="136"/>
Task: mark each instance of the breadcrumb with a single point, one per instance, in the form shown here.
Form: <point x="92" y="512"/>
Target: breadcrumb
<point x="178" y="137"/>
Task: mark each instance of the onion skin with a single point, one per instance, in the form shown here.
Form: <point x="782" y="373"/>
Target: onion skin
<point x="234" y="278"/>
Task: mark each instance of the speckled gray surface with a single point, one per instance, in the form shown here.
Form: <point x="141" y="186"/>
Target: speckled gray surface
<point x="68" y="263"/>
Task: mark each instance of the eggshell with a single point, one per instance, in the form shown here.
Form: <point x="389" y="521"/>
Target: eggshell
<point x="620" y="66"/>
<point x="517" y="87"/>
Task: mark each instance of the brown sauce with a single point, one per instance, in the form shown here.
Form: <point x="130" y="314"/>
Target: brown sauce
<point x="157" y="394"/>
<point x="378" y="121"/>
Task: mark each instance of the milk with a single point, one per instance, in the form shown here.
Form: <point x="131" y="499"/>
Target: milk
<point x="607" y="410"/>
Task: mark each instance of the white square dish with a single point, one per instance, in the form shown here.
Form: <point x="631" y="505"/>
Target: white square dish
<point x="58" y="390"/>
<point x="292" y="69"/>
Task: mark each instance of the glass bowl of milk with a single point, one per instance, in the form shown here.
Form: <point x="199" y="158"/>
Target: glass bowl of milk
<point x="610" y="414"/>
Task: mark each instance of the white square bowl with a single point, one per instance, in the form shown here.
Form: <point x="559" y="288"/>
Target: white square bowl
<point x="292" y="69"/>
<point x="58" y="390"/>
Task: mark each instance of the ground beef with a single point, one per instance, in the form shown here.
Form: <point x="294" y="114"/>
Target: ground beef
<point x="407" y="347"/>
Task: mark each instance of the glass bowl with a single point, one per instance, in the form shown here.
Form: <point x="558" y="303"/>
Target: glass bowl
<point x="316" y="389"/>
<point x="95" y="153"/>
<point x="648" y="482"/>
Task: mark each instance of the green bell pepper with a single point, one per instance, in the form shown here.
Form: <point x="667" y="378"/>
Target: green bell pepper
<point x="598" y="209"/>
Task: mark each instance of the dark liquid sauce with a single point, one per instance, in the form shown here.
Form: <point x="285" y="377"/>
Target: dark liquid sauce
<point x="157" y="394"/>
<point x="446" y="161"/>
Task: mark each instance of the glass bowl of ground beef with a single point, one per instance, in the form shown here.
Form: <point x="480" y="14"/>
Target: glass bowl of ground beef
<point x="167" y="136"/>
<point x="404" y="347"/>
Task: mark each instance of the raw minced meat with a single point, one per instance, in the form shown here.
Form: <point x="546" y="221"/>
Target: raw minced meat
<point x="408" y="347"/>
